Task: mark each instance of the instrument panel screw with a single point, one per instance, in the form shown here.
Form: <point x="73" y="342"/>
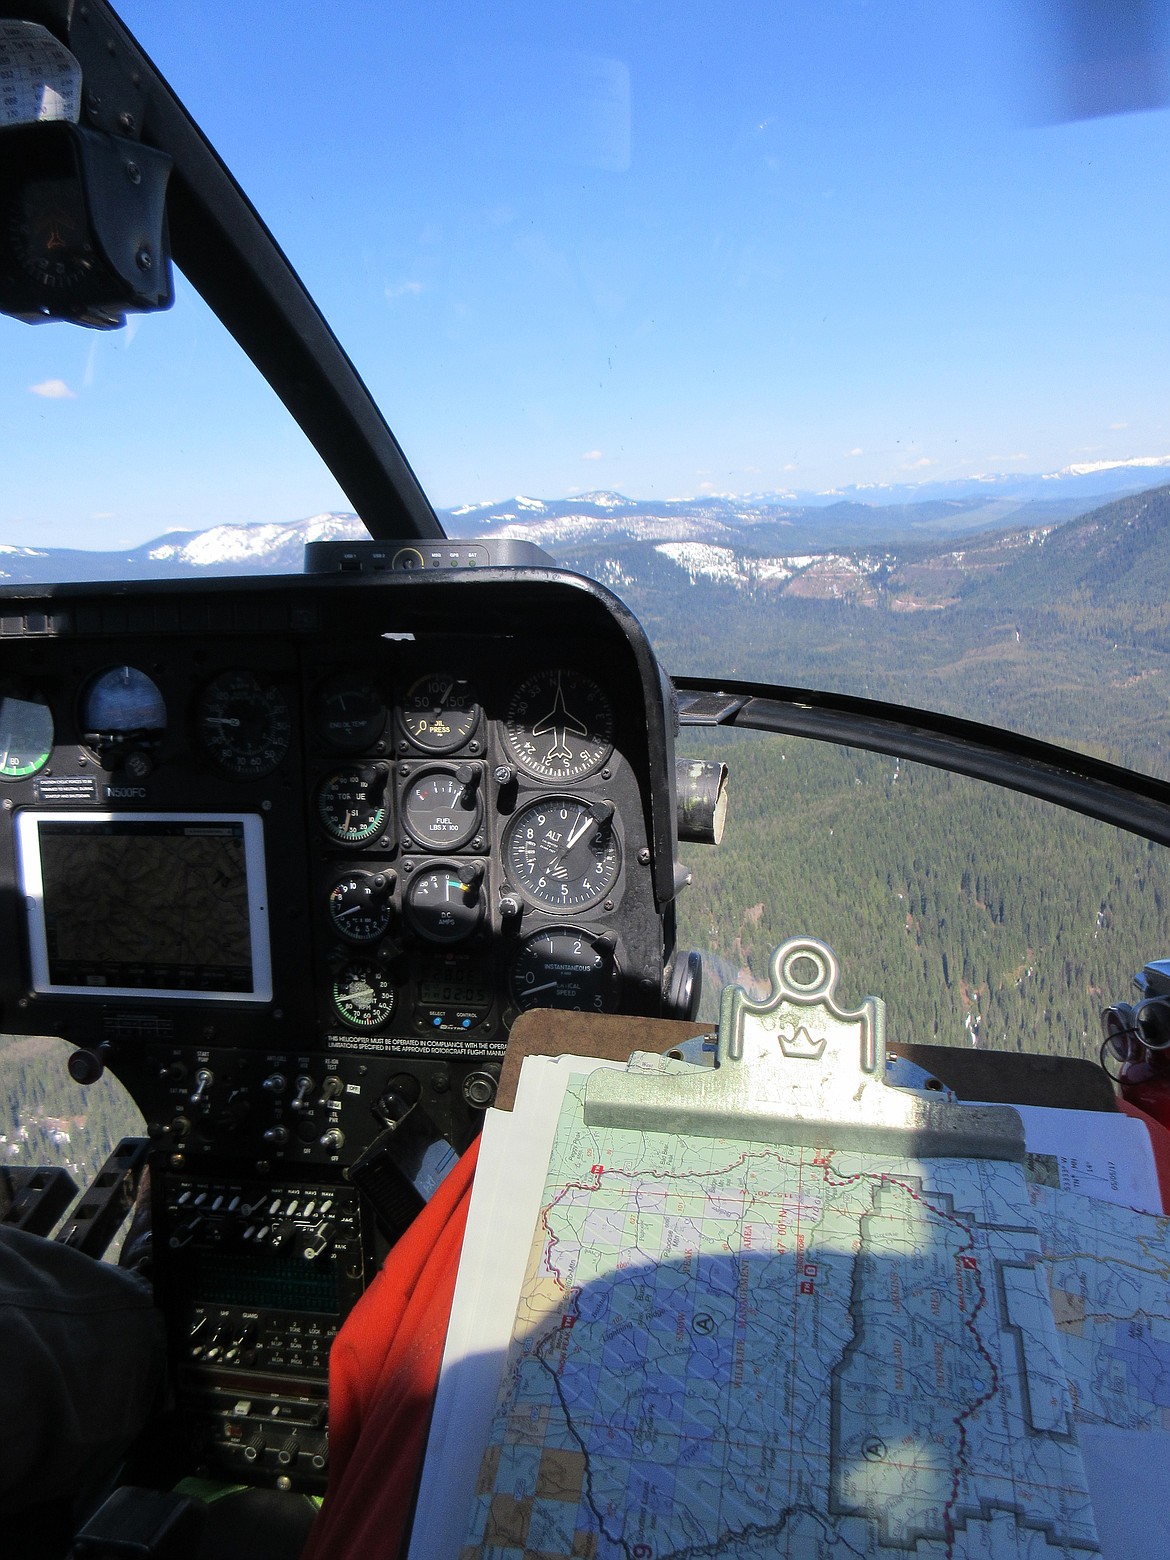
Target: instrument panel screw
<point x="144" y="260"/>
<point x="644" y="856"/>
<point x="126" y="121"/>
<point x="265" y="805"/>
<point x="133" y="171"/>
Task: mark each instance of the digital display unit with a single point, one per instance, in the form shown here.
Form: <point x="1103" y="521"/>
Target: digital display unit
<point x="162" y="906"/>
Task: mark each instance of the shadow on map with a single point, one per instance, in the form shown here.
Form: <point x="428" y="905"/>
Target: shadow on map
<point x="898" y="1394"/>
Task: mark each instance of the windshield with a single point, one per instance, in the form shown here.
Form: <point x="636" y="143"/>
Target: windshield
<point x="815" y="331"/>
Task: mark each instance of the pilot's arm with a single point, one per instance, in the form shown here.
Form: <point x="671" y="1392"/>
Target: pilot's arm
<point x="81" y="1367"/>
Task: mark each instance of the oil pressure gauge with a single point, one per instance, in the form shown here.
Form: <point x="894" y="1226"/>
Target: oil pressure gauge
<point x="439" y="712"/>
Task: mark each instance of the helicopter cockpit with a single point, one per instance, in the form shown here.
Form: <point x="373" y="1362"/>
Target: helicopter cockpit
<point x="290" y="855"/>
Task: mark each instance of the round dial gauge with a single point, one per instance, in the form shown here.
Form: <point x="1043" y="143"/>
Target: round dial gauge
<point x="559" y="725"/>
<point x="49" y="234"/>
<point x="441" y="809"/>
<point x="244" y="724"/>
<point x="563" y="967"/>
<point x="359" y="906"/>
<point x="352" y="804"/>
<point x="363" y="996"/>
<point x="26" y="737"/>
<point x="560" y="852"/>
<point x="445" y="903"/>
<point x="439" y="712"/>
<point x="349" y="712"/>
<point x="123" y="700"/>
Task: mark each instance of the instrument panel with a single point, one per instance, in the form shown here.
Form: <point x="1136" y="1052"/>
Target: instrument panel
<point x="326" y="829"/>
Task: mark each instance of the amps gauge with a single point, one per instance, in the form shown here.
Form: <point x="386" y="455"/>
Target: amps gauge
<point x="445" y="903"/>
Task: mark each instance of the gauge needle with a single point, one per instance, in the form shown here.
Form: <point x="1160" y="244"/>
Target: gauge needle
<point x="549" y="985"/>
<point x="583" y="825"/>
<point x="221" y="720"/>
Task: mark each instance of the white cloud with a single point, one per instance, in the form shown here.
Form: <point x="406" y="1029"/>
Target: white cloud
<point x="857" y="451"/>
<point x="404" y="290"/>
<point x="53" y="390"/>
<point x="1116" y="426"/>
<point x="917" y="465"/>
<point x="591" y="455"/>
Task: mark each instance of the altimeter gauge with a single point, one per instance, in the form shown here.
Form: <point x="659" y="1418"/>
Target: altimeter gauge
<point x="562" y="853"/>
<point x="565" y="967"/>
<point x="559" y="725"/>
<point x="439" y="712"/>
<point x="244" y="724"/>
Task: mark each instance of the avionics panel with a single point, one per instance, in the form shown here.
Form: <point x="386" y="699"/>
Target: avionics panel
<point x="163" y="906"/>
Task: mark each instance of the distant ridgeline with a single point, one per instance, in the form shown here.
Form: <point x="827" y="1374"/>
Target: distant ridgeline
<point x="1061" y="632"/>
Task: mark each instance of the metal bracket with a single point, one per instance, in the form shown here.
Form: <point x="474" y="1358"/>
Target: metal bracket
<point x="800" y="1070"/>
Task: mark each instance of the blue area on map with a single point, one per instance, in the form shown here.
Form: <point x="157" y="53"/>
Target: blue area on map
<point x="652" y="1486"/>
<point x="1146" y="1360"/>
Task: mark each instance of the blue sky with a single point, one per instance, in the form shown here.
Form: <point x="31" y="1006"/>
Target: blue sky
<point x="663" y="248"/>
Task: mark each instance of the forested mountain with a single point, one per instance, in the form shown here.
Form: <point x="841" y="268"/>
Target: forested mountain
<point x="980" y="916"/>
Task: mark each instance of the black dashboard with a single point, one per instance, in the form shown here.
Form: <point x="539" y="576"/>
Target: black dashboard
<point x="289" y="856"/>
